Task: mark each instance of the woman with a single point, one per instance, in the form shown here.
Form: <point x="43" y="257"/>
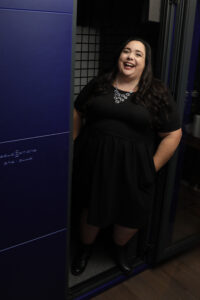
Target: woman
<point x="117" y="117"/>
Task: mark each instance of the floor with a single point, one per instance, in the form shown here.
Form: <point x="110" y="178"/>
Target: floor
<point x="187" y="220"/>
<point x="177" y="279"/>
<point x="98" y="263"/>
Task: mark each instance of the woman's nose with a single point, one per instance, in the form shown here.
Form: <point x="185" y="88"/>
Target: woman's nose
<point x="130" y="56"/>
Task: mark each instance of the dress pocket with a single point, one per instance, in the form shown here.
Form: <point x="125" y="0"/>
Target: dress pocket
<point x="153" y="165"/>
<point x="145" y="166"/>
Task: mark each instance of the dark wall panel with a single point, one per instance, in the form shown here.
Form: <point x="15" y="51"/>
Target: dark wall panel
<point x="34" y="186"/>
<point x="48" y="5"/>
<point x="35" y="64"/>
<point x="35" y="83"/>
<point x="34" y="271"/>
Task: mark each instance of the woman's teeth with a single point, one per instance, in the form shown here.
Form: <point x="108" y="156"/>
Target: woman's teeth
<point x="129" y="65"/>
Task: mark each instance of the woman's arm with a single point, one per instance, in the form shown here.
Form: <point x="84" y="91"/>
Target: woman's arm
<point x="77" y="123"/>
<point x="167" y="147"/>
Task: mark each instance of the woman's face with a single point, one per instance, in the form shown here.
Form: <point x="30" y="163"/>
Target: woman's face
<point x="131" y="61"/>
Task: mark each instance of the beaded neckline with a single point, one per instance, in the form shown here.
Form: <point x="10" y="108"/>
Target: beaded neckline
<point x="120" y="96"/>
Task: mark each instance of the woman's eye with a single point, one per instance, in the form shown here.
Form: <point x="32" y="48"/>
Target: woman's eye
<point x="138" y="54"/>
<point x="126" y="51"/>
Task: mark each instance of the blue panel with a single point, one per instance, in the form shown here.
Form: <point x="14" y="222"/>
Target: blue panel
<point x="35" y="64"/>
<point x="47" y="5"/>
<point x="35" y="270"/>
<point x="33" y="188"/>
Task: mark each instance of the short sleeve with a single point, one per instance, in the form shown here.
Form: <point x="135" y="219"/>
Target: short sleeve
<point x="172" y="121"/>
<point x="81" y="100"/>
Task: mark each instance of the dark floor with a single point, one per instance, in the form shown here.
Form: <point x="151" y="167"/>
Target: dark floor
<point x="176" y="279"/>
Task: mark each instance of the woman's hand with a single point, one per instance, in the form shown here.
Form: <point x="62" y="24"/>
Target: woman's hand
<point x="77" y="123"/>
<point x="167" y="147"/>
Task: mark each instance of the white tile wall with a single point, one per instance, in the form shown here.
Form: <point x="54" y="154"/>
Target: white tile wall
<point x="86" y="56"/>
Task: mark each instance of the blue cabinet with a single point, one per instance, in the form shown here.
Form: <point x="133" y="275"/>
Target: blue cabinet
<point x="35" y="270"/>
<point x="35" y="65"/>
<point x="34" y="188"/>
<point x="35" y="89"/>
<point x="47" y="5"/>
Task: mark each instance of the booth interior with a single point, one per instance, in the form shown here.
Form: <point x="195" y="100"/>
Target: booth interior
<point x="101" y="28"/>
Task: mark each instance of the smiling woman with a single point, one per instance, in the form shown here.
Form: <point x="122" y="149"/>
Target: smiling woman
<point x="117" y="117"/>
<point x="131" y="64"/>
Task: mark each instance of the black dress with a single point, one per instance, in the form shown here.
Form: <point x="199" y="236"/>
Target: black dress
<point x="113" y="171"/>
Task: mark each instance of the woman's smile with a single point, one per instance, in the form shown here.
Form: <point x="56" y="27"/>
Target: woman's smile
<point x="131" y="62"/>
<point x="129" y="66"/>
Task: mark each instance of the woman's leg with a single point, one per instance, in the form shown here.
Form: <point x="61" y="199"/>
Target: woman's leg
<point x="122" y="236"/>
<point x="88" y="235"/>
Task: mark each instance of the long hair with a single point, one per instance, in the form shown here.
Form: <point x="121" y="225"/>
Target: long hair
<point x="151" y="93"/>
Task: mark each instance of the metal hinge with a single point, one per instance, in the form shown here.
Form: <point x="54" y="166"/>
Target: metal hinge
<point x="175" y="2"/>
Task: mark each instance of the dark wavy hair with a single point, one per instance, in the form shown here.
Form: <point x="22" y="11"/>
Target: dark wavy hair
<point x="151" y="93"/>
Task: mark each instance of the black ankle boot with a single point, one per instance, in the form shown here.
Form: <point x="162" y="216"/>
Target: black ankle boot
<point x="80" y="261"/>
<point x="122" y="261"/>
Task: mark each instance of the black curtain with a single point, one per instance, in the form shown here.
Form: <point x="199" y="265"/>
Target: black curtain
<point x="122" y="13"/>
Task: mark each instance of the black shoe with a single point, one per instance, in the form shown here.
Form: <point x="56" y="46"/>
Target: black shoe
<point x="80" y="261"/>
<point x="122" y="259"/>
